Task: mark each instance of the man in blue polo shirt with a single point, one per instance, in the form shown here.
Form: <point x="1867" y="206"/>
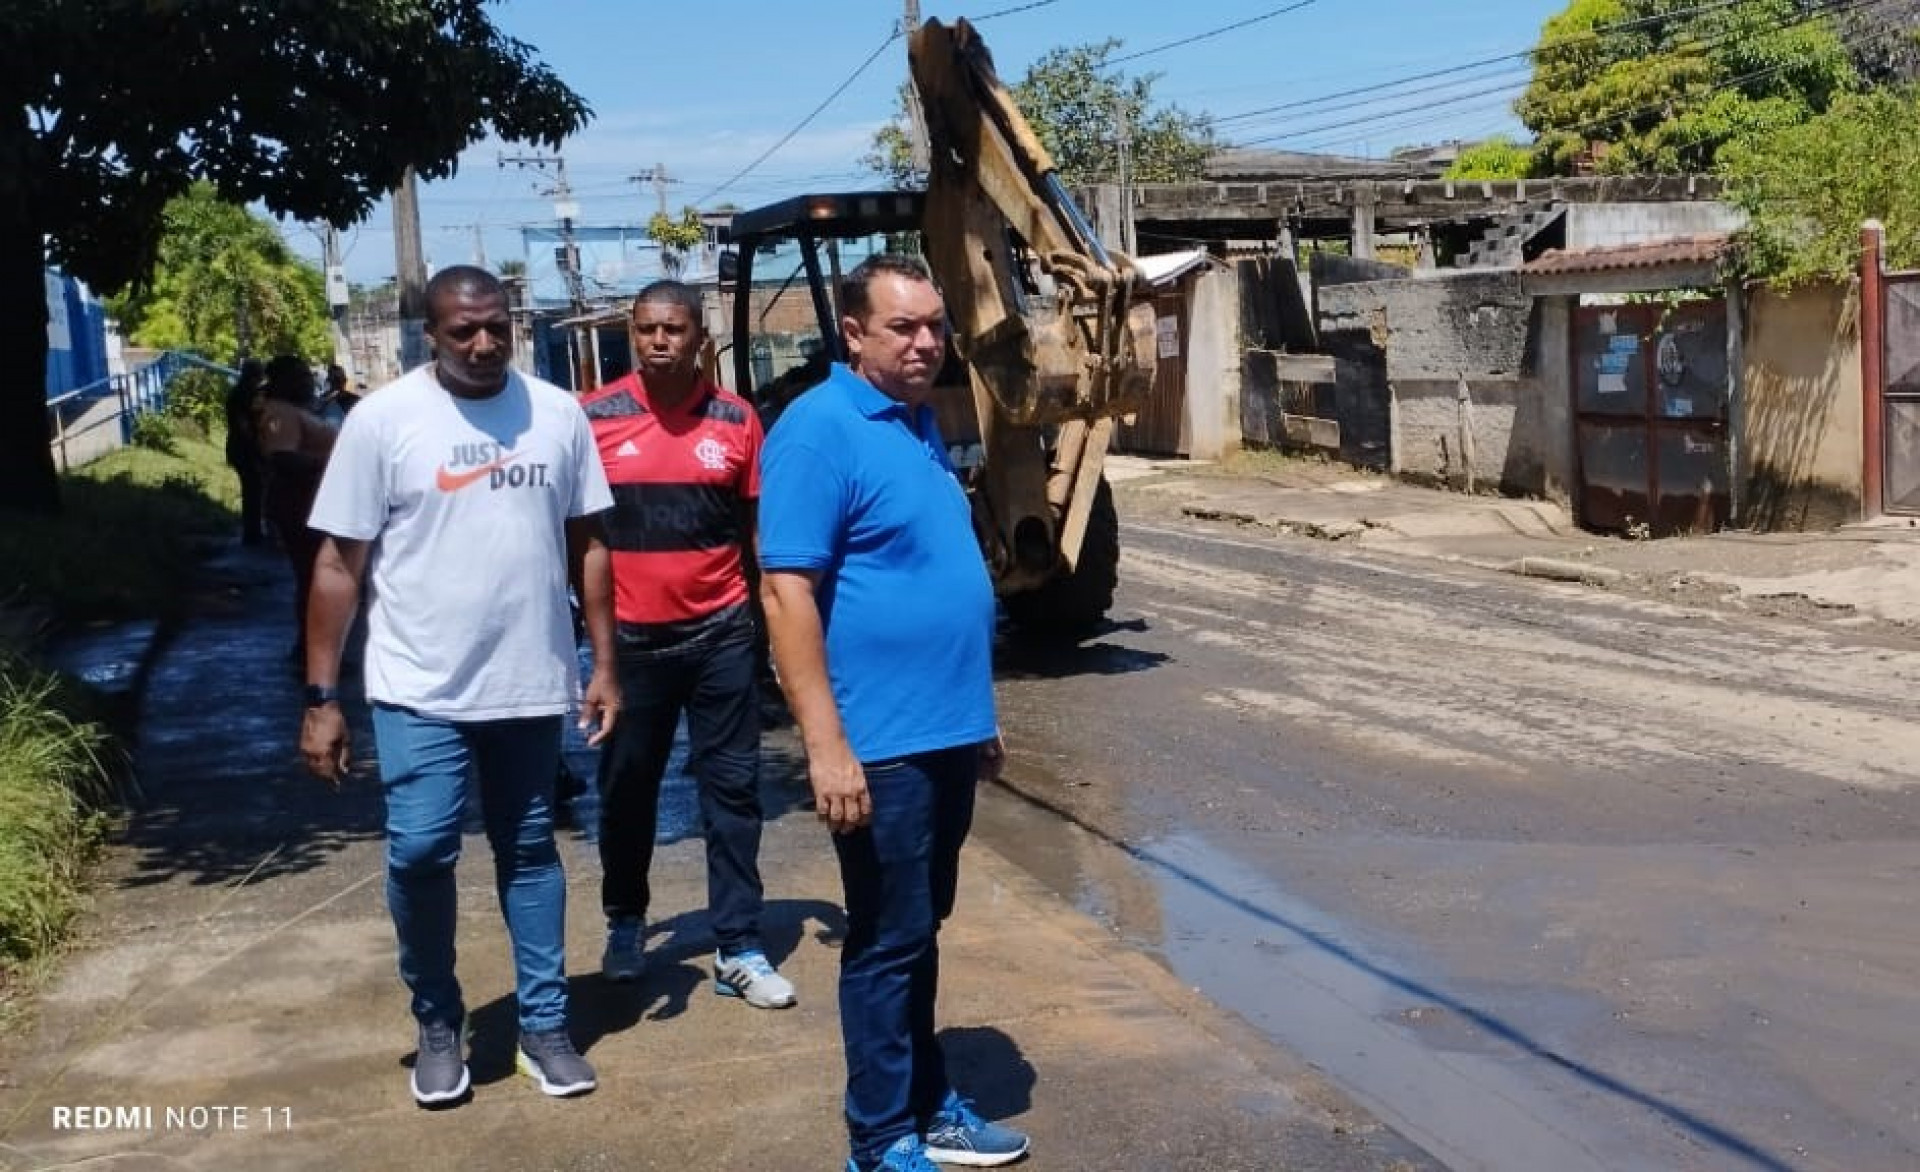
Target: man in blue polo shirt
<point x="881" y="617"/>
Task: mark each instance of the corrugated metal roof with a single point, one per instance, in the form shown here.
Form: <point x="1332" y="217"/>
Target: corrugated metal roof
<point x="1165" y="268"/>
<point x="1674" y="251"/>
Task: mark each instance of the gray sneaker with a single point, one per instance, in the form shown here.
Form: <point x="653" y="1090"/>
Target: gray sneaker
<point x="439" y="1067"/>
<point x="624" y="958"/>
<point x="549" y="1059"/>
<point x="751" y="977"/>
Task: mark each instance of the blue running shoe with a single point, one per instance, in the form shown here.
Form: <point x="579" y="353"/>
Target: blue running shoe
<point x="624" y="958"/>
<point x="958" y="1135"/>
<point x="906" y="1155"/>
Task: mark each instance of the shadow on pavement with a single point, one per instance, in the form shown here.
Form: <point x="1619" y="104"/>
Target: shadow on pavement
<point x="989" y="1067"/>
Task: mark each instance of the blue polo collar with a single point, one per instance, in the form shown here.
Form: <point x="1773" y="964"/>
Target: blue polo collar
<point x="866" y="398"/>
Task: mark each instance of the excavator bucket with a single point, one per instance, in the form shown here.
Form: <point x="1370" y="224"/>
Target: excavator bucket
<point x="1054" y="327"/>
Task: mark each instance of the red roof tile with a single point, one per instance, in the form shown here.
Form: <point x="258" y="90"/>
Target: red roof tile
<point x="1676" y="250"/>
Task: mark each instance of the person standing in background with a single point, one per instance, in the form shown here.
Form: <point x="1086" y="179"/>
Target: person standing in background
<point x="243" y="447"/>
<point x="293" y="443"/>
<point x="683" y="458"/>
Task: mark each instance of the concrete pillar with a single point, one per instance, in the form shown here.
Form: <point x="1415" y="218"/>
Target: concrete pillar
<point x="1214" y="354"/>
<point x="1363" y="221"/>
<point x="1109" y="216"/>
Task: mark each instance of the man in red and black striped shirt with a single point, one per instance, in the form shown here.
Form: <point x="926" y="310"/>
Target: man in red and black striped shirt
<point x="683" y="459"/>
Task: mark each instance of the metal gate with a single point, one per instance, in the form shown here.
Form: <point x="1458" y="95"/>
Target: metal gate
<point x="1900" y="491"/>
<point x="1160" y="429"/>
<point x="1650" y="407"/>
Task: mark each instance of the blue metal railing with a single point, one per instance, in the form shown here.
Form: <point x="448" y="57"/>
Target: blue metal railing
<point x="138" y="392"/>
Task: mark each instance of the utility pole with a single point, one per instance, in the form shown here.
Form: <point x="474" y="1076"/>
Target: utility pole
<point x="410" y="272"/>
<point x="670" y="259"/>
<point x="584" y="374"/>
<point x="1124" y="125"/>
<point x="337" y="298"/>
<point x="917" y="148"/>
<point x="565" y="209"/>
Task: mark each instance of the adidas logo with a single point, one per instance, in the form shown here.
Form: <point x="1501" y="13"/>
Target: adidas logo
<point x="628" y="449"/>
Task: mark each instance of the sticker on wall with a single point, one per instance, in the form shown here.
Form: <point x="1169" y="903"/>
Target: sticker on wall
<point x="1608" y="323"/>
<point x="1613" y="384"/>
<point x="1673" y="364"/>
<point x="1166" y="330"/>
<point x="1679" y="406"/>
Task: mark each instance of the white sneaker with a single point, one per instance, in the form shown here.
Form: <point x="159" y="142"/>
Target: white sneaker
<point x="751" y="977"/>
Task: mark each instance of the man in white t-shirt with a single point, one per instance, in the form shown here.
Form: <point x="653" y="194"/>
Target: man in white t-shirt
<point x="467" y="495"/>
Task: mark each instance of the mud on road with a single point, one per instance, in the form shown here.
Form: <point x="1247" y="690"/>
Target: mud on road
<point x="1546" y="876"/>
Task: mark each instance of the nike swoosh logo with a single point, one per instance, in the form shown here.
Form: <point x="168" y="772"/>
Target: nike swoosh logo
<point x="449" y="481"/>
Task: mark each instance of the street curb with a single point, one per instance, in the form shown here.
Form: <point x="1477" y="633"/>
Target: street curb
<point x="1562" y="571"/>
<point x="1323" y="531"/>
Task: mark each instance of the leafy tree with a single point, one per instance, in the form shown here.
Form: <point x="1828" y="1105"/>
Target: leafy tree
<point x="225" y="284"/>
<point x="1075" y="103"/>
<point x="1883" y="38"/>
<point x="1619" y="88"/>
<point x="1807" y="188"/>
<point x="1495" y="158"/>
<point x="111" y="108"/>
<point x="676" y="238"/>
<point x="890" y="154"/>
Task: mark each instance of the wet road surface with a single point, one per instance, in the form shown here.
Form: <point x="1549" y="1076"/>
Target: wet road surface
<point x="1545" y="877"/>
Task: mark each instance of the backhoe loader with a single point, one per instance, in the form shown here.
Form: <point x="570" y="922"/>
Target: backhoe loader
<point x="1052" y="334"/>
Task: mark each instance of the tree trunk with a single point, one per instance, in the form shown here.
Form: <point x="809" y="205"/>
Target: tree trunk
<point x="27" y="478"/>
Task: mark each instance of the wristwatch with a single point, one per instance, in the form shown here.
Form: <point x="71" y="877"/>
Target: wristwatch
<point x="319" y="695"/>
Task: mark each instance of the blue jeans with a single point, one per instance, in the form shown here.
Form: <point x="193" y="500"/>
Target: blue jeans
<point x="714" y="686"/>
<point x="900" y="873"/>
<point x="425" y="764"/>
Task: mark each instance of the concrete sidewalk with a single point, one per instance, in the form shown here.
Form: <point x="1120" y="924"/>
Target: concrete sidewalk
<point x="233" y="1003"/>
<point x="1865" y="571"/>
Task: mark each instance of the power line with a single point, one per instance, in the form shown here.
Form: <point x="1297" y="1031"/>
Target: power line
<point x="1513" y="83"/>
<point x="1593" y="33"/>
<point x="1823" y="9"/>
<point x="1018" y="8"/>
<point x="807" y="121"/>
<point x="1223" y="30"/>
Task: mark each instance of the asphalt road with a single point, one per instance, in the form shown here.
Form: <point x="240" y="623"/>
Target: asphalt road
<point x="1545" y="877"/>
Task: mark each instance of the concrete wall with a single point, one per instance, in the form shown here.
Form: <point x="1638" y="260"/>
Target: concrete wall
<point x="1606" y="225"/>
<point x="1403" y="349"/>
<point x="1214" y="349"/>
<point x="1800" y="460"/>
<point x="1511" y="435"/>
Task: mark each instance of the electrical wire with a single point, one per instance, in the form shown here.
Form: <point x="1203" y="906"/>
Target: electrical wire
<point x="790" y="135"/>
<point x="1824" y="9"/>
<point x="1018" y="8"/>
<point x="1594" y="33"/>
<point x="1223" y="30"/>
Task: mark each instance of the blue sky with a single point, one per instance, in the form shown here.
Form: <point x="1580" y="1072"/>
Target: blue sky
<point x="707" y="94"/>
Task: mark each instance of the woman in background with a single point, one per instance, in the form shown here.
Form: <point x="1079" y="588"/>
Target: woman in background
<point x="243" y="447"/>
<point x="294" y="443"/>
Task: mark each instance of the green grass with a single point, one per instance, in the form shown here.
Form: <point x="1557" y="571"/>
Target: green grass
<point x="124" y="545"/>
<point x="55" y="789"/>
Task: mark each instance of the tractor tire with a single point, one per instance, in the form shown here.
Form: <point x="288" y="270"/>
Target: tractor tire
<point x="1070" y="607"/>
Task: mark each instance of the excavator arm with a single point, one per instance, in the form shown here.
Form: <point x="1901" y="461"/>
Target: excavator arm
<point x="1055" y="329"/>
<point x="1056" y="326"/>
